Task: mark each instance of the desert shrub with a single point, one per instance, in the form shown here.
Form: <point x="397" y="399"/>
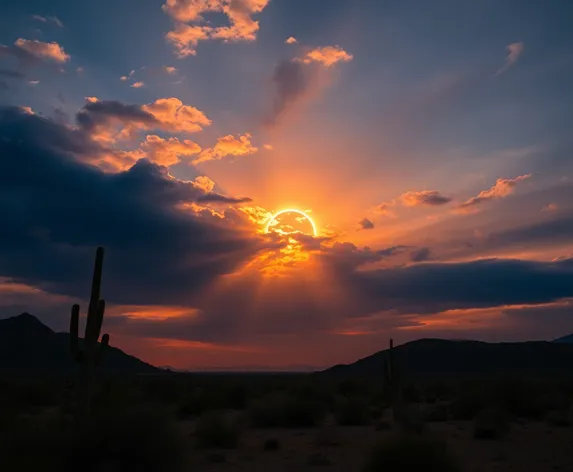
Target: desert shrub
<point x="520" y="398"/>
<point x="412" y="393"/>
<point x="411" y="453"/>
<point x="490" y="423"/>
<point x="280" y="410"/>
<point x="268" y="412"/>
<point x="303" y="412"/>
<point x="437" y="413"/>
<point x="467" y="404"/>
<point x="217" y="430"/>
<point x="141" y="440"/>
<point x="271" y="445"/>
<point x="562" y="418"/>
<point x="36" y="394"/>
<point x="352" y="387"/>
<point x="352" y="412"/>
<point x="327" y="436"/>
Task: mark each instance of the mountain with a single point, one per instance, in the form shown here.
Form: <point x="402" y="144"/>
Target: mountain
<point x="439" y="357"/>
<point x="29" y="346"/>
<point x="564" y="339"/>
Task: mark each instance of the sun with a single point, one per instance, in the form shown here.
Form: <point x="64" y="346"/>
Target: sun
<point x="291" y="221"/>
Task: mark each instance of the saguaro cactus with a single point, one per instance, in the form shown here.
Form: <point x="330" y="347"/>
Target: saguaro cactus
<point x="91" y="355"/>
<point x="393" y="381"/>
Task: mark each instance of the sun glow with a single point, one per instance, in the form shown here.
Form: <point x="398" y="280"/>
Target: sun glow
<point x="273" y="220"/>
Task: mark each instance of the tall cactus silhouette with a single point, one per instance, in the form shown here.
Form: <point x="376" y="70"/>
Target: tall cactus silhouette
<point x="92" y="354"/>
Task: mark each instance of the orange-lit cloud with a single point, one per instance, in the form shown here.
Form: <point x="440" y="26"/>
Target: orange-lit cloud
<point x="501" y="189"/>
<point x="109" y="121"/>
<point x="137" y="84"/>
<point x="204" y="183"/>
<point x="327" y="56"/>
<point x="291" y="40"/>
<point x="424" y="197"/>
<point x="514" y="52"/>
<point x="176" y="117"/>
<point x="385" y="209"/>
<point x="26" y="49"/>
<point x="185" y="37"/>
<point x="228" y="146"/>
<point x="168" y="152"/>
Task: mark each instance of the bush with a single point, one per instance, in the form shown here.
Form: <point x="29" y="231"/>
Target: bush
<point x="490" y="423"/>
<point x="407" y="453"/>
<point x="271" y="445"/>
<point x="283" y="411"/>
<point x="136" y="440"/>
<point x="352" y="412"/>
<point x="437" y="413"/>
<point x="215" y="430"/>
<point x="562" y="418"/>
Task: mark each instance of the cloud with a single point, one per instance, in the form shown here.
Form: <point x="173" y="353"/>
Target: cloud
<point x="327" y="56"/>
<point x="170" y="70"/>
<point x="551" y="208"/>
<point x="291" y="40"/>
<point x="153" y="243"/>
<point x="11" y="74"/>
<point x="164" y="152"/>
<point x="186" y="37"/>
<point x="421" y="255"/>
<point x="384" y="209"/>
<point x="424" y="197"/>
<point x="46" y="19"/>
<point x="501" y="189"/>
<point x="205" y="265"/>
<point x="111" y="120"/>
<point x="295" y="79"/>
<point x="292" y="83"/>
<point x="33" y="82"/>
<point x="365" y="223"/>
<point x="514" y="52"/>
<point x="137" y="84"/>
<point x="228" y="146"/>
<point x="27" y="49"/>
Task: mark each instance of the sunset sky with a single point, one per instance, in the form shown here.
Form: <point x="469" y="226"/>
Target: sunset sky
<point x="429" y="142"/>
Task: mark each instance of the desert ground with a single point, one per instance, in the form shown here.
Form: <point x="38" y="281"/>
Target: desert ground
<point x="283" y="423"/>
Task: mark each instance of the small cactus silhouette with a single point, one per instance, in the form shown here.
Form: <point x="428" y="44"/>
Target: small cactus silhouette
<point x="92" y="354"/>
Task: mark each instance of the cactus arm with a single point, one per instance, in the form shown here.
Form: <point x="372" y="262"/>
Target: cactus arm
<point x="102" y="348"/>
<point x="92" y="332"/>
<point x="74" y="328"/>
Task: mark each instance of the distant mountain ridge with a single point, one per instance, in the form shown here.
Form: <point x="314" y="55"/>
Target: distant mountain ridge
<point x="564" y="339"/>
<point x="431" y="357"/>
<point x="28" y="345"/>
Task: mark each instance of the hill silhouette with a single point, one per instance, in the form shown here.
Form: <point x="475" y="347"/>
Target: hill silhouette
<point x="438" y="357"/>
<point x="564" y="339"/>
<point x="29" y="346"/>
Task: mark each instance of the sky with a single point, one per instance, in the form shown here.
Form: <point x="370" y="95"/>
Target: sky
<point x="425" y="147"/>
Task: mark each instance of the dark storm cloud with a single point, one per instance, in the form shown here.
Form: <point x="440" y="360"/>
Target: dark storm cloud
<point x="421" y="255"/>
<point x="366" y="224"/>
<point x="292" y="80"/>
<point x="375" y="298"/>
<point x="11" y="74"/>
<point x="425" y="197"/>
<point x="218" y="198"/>
<point x="96" y="113"/>
<point x="434" y="287"/>
<point x="55" y="209"/>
